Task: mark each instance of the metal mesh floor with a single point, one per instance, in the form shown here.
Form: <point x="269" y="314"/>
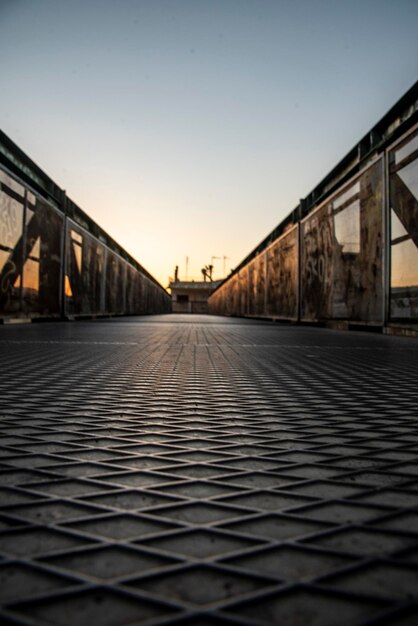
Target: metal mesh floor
<point x="201" y="470"/>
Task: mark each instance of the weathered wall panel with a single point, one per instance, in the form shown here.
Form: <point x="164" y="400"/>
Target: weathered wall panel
<point x="30" y="252"/>
<point x="341" y="257"/>
<point x="340" y="262"/>
<point x="316" y="260"/>
<point x="257" y="285"/>
<point x="403" y="180"/>
<point x="282" y="277"/>
<point x="349" y="251"/>
<point x="114" y="283"/>
<point x="134" y="291"/>
<point x="12" y="207"/>
<point x="43" y="275"/>
<point x="242" y="306"/>
<point x="85" y="267"/>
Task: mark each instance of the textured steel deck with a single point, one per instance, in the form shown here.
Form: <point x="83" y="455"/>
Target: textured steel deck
<point x="200" y="470"/>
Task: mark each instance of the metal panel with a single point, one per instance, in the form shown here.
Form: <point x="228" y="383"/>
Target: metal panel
<point x="242" y="306"/>
<point x="282" y="276"/>
<point x="341" y="256"/>
<point x="257" y="285"/>
<point x="30" y="252"/>
<point x="133" y="291"/>
<point x="12" y="202"/>
<point x="42" y="258"/>
<point x="403" y="191"/>
<point x="84" y="278"/>
<point x="115" y="283"/>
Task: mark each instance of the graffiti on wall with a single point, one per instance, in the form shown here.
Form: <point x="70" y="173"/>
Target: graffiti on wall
<point x="340" y="262"/>
<point x="342" y="255"/>
<point x="282" y="276"/>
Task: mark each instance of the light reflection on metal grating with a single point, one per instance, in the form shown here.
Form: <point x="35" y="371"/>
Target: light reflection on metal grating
<point x="204" y="471"/>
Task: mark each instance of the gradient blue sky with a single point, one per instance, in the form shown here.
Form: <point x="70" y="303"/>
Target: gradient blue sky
<point x="190" y="127"/>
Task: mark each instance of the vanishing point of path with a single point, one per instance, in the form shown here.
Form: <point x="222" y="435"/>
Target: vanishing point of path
<point x="207" y="471"/>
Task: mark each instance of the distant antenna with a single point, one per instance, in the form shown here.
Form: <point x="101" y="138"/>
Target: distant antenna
<point x="224" y="258"/>
<point x="187" y="268"/>
<point x="212" y="258"/>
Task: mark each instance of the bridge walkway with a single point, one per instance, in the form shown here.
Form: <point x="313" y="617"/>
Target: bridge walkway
<point x="202" y="470"/>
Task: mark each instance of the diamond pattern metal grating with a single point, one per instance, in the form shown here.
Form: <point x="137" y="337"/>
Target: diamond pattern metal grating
<point x="206" y="471"/>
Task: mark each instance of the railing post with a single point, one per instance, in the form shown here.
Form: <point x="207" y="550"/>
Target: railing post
<point x="63" y="253"/>
<point x="300" y="213"/>
<point x="386" y="241"/>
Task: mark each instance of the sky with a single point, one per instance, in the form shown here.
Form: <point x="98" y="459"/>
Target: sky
<point x="191" y="128"/>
